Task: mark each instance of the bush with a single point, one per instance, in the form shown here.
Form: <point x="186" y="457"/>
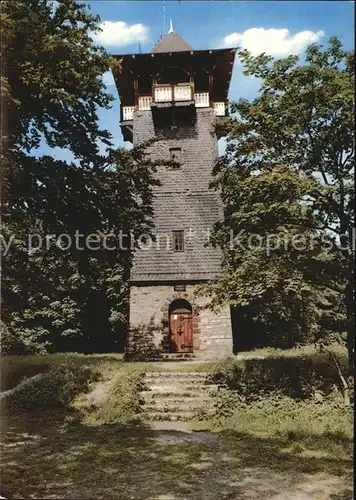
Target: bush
<point x="23" y="340"/>
<point x="53" y="389"/>
<point x="286" y="417"/>
<point x="124" y="403"/>
<point x="298" y="377"/>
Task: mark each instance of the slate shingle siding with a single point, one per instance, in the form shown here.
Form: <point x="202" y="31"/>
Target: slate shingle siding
<point x="172" y="42"/>
<point x="182" y="201"/>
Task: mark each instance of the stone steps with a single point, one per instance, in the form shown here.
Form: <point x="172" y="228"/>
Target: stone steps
<point x="170" y="393"/>
<point x="174" y="398"/>
<point x="176" y="395"/>
<point x="169" y="406"/>
<point x="176" y="387"/>
<point x="183" y="356"/>
<point x="172" y="417"/>
<point x="176" y="375"/>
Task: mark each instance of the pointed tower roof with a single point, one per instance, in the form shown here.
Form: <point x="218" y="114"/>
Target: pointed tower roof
<point x="171" y="42"/>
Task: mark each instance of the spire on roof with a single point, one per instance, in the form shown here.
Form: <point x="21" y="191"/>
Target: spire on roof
<point x="171" y="42"/>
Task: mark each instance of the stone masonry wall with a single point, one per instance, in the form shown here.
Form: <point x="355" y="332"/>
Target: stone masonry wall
<point x="149" y="323"/>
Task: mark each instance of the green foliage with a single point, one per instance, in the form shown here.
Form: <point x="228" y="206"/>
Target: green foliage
<point x="14" y="369"/>
<point x="294" y="421"/>
<point x="52" y="81"/>
<point x="55" y="297"/>
<point x="226" y="402"/>
<point x="53" y="389"/>
<point x="256" y="379"/>
<point x="124" y="404"/>
<point x="76" y="299"/>
<point x="287" y="177"/>
<point x="23" y="341"/>
<point x="287" y="395"/>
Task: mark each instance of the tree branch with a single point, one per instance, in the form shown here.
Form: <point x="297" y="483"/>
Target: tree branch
<point x="342" y="378"/>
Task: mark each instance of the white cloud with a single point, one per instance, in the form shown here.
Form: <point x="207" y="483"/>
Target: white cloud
<point x="119" y="33"/>
<point x="272" y="41"/>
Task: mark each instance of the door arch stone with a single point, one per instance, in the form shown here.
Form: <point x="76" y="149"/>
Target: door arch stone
<point x="181" y="326"/>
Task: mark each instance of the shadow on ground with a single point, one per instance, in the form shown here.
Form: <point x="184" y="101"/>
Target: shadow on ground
<point x="51" y="458"/>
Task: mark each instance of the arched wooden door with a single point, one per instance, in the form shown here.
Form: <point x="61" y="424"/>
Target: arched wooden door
<point x="181" y="326"/>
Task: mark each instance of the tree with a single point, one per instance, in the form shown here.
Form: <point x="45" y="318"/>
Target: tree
<point x="288" y="168"/>
<point x="52" y="77"/>
<point x="73" y="298"/>
<point x="65" y="286"/>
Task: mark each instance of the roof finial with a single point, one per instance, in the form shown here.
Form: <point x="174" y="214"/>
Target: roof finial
<point x="171" y="30"/>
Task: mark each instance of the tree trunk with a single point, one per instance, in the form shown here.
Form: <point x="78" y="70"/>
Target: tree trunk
<point x="348" y="245"/>
<point x="350" y="314"/>
<point x="345" y="385"/>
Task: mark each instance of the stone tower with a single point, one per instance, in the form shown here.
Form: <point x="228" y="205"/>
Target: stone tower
<point x="173" y="95"/>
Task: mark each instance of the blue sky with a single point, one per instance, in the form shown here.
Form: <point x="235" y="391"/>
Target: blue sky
<point x="277" y="27"/>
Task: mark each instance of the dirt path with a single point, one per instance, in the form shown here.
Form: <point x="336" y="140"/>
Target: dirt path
<point x="54" y="459"/>
<point x="246" y="482"/>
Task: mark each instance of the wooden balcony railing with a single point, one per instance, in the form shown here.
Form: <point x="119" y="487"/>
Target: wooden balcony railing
<point x="172" y="93"/>
<point x="162" y="94"/>
<point x="144" y="103"/>
<point x="183" y="92"/>
<point x="202" y="100"/>
<point x="128" y="112"/>
<point x="219" y="108"/>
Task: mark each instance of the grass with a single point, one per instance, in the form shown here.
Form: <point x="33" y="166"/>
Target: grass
<point x="54" y="456"/>
<point x="305" y="422"/>
<point x="16" y="368"/>
<point x="300" y="374"/>
<point x="275" y="446"/>
<point x="122" y="404"/>
<point x="296" y="352"/>
<point x="308" y="428"/>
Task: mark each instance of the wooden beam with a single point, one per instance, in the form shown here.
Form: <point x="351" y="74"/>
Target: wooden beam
<point x="136" y="91"/>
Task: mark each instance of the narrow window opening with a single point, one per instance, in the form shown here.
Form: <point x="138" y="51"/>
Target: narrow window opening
<point x="175" y="155"/>
<point x="178" y="241"/>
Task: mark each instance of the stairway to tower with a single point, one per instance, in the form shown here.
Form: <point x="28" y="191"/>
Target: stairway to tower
<point x="173" y="396"/>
